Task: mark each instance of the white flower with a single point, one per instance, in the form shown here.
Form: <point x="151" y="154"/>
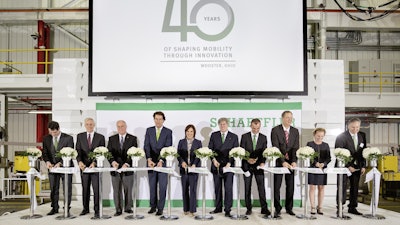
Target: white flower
<point x="168" y="151"/>
<point x="135" y="152"/>
<point x="342" y="154"/>
<point x="35" y="152"/>
<point x="68" y="152"/>
<point x="100" y="150"/>
<point x="238" y="152"/>
<point x="371" y="153"/>
<point x="306" y="152"/>
<point x="272" y="152"/>
<point x="204" y="152"/>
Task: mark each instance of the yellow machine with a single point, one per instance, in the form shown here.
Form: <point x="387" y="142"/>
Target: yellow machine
<point x="21" y="164"/>
<point x="389" y="167"/>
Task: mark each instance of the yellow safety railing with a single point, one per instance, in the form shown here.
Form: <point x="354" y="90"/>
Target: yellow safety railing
<point x="45" y="62"/>
<point x="376" y="79"/>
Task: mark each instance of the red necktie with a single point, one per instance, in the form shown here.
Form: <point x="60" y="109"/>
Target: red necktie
<point x="287" y="141"/>
<point x="89" y="141"/>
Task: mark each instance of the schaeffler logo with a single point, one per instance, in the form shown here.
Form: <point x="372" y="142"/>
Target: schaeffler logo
<point x="195" y="15"/>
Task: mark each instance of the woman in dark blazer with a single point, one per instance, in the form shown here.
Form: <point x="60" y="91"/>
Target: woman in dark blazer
<point x="187" y="158"/>
<point x="321" y="161"/>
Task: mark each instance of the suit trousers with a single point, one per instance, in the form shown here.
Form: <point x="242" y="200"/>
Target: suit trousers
<point x="261" y="190"/>
<point x="354" y="183"/>
<point x="122" y="185"/>
<point x="162" y="180"/>
<point x="227" y="179"/>
<point x="87" y="180"/>
<point x="54" y="179"/>
<point x="189" y="191"/>
<point x="289" y="180"/>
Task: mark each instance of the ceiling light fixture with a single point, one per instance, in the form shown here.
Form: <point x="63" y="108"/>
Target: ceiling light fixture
<point x="40" y="112"/>
<point x="388" y="117"/>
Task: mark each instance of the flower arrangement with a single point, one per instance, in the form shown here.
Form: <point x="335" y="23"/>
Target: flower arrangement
<point x="67" y="152"/>
<point x="136" y="152"/>
<point x="100" y="151"/>
<point x="342" y="154"/>
<point x="306" y="153"/>
<point x="168" y="151"/>
<point x="204" y="152"/>
<point x="239" y="152"/>
<point x="34" y="152"/>
<point x="372" y="153"/>
<point x="272" y="152"/>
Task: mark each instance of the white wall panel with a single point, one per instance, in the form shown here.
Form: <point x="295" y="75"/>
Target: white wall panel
<point x="384" y="135"/>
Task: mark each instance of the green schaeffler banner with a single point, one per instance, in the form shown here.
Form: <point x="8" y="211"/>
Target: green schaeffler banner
<point x="204" y="117"/>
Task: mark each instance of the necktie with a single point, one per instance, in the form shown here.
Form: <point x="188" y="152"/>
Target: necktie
<point x="89" y="141"/>
<point x="55" y="143"/>
<point x="355" y="141"/>
<point x="121" y="143"/>
<point x="287" y="136"/>
<point x="158" y="134"/>
<point x="287" y="141"/>
<point x="254" y="142"/>
<point x="223" y="137"/>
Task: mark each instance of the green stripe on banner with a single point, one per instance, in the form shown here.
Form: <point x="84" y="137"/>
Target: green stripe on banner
<point x="199" y="106"/>
<point x="209" y="203"/>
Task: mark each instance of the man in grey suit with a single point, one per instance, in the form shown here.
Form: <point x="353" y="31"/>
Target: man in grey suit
<point x="156" y="138"/>
<point x="286" y="138"/>
<point x="255" y="143"/>
<point x="53" y="143"/>
<point x="221" y="142"/>
<point x="118" y="146"/>
<point x="354" y="140"/>
<point x="86" y="142"/>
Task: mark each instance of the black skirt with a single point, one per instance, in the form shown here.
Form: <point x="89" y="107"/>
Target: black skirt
<point x="317" y="179"/>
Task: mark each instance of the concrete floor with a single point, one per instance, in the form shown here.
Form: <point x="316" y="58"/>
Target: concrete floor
<point x="255" y="218"/>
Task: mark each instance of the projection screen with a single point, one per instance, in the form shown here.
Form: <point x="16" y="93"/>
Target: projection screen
<point x="197" y="48"/>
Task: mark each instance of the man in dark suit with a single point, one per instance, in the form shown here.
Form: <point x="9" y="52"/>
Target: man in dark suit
<point x="221" y="142"/>
<point x="255" y="143"/>
<point x="86" y="142"/>
<point x="156" y="138"/>
<point x="355" y="142"/>
<point x="286" y="138"/>
<point x="118" y="146"/>
<point x="53" y="143"/>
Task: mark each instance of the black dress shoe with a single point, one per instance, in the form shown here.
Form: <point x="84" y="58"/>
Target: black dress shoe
<point x="290" y="212"/>
<point x="117" y="213"/>
<point x="52" y="212"/>
<point x="248" y="212"/>
<point x="228" y="214"/>
<point x="355" y="212"/>
<point x="129" y="211"/>
<point x="84" y="212"/>
<point x="266" y="212"/>
<point x="215" y="211"/>
<point x="152" y="210"/>
<point x="96" y="216"/>
<point x="159" y="213"/>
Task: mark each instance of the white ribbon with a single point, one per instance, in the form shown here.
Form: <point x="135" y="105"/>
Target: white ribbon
<point x="369" y="177"/>
<point x="235" y="170"/>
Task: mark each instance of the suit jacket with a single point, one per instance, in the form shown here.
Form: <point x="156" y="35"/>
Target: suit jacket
<point x="83" y="148"/>
<point x="222" y="149"/>
<point x="49" y="152"/>
<point x="344" y="140"/>
<point x="152" y="147"/>
<point x="120" y="155"/>
<point x="246" y="142"/>
<point x="183" y="153"/>
<point x="278" y="140"/>
<point x="324" y="153"/>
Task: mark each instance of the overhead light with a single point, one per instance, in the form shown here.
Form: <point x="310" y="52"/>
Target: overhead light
<point x="388" y="117"/>
<point x="40" y="112"/>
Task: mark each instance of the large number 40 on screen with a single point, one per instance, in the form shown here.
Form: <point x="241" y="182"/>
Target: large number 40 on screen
<point x="184" y="29"/>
